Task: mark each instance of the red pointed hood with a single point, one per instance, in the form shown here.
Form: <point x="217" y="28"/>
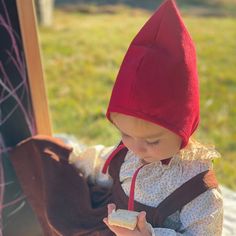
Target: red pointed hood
<point x="158" y="79"/>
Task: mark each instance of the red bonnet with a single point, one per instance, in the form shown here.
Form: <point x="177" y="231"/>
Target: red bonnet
<point x="158" y="79"/>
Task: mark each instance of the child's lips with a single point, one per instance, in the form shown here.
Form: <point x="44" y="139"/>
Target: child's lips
<point x="145" y="159"/>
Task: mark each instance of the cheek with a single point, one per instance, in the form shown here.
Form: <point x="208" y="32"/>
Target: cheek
<point x="134" y="146"/>
<point x="154" y="150"/>
<point x="127" y="142"/>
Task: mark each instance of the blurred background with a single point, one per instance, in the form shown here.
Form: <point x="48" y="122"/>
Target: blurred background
<point x="83" y="44"/>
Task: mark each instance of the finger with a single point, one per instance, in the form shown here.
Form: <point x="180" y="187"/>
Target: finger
<point x="142" y="223"/>
<point x="105" y="220"/>
<point x="112" y="228"/>
<point x="111" y="207"/>
<point x="116" y="229"/>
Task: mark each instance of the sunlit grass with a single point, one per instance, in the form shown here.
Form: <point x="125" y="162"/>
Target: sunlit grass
<point x="82" y="54"/>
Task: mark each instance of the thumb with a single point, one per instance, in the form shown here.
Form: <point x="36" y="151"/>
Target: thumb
<point x="142" y="223"/>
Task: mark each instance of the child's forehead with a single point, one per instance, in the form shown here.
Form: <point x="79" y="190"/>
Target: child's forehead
<point x="137" y="127"/>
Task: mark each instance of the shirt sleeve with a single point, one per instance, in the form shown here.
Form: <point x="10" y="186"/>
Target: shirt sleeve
<point x="202" y="216"/>
<point x="90" y="162"/>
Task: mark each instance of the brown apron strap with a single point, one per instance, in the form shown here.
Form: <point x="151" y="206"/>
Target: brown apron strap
<point x="185" y="194"/>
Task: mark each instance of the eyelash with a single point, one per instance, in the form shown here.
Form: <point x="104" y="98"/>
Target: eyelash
<point x="150" y="144"/>
<point x="154" y="143"/>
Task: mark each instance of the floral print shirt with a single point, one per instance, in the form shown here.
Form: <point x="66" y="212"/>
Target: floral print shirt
<point x="155" y="181"/>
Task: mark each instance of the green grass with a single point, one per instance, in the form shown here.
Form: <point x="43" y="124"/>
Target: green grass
<point x="82" y="54"/>
<point x="193" y="7"/>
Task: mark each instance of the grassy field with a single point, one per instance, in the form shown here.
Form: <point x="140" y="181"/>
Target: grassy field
<point x="82" y="54"/>
<point x="193" y="7"/>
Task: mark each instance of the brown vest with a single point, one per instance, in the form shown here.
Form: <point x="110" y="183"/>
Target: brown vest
<point x="66" y="204"/>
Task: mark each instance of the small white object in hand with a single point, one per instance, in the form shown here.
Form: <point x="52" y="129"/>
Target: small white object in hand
<point x="123" y="218"/>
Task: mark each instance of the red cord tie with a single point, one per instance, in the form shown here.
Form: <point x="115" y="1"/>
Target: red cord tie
<point x="132" y="189"/>
<point x="107" y="163"/>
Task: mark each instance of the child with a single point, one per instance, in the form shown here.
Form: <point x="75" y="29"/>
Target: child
<point x="157" y="169"/>
<point x="155" y="107"/>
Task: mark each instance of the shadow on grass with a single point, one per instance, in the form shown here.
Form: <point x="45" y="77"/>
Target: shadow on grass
<point x="206" y="8"/>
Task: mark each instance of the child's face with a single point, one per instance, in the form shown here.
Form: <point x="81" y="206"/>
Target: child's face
<point x="148" y="141"/>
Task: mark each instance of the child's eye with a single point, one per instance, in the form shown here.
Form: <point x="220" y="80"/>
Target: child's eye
<point x="153" y="143"/>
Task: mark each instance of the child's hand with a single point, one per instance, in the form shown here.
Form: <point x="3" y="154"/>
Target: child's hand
<point x="142" y="228"/>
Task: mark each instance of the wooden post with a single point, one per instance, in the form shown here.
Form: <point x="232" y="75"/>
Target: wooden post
<point x="28" y="26"/>
<point x="23" y="110"/>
